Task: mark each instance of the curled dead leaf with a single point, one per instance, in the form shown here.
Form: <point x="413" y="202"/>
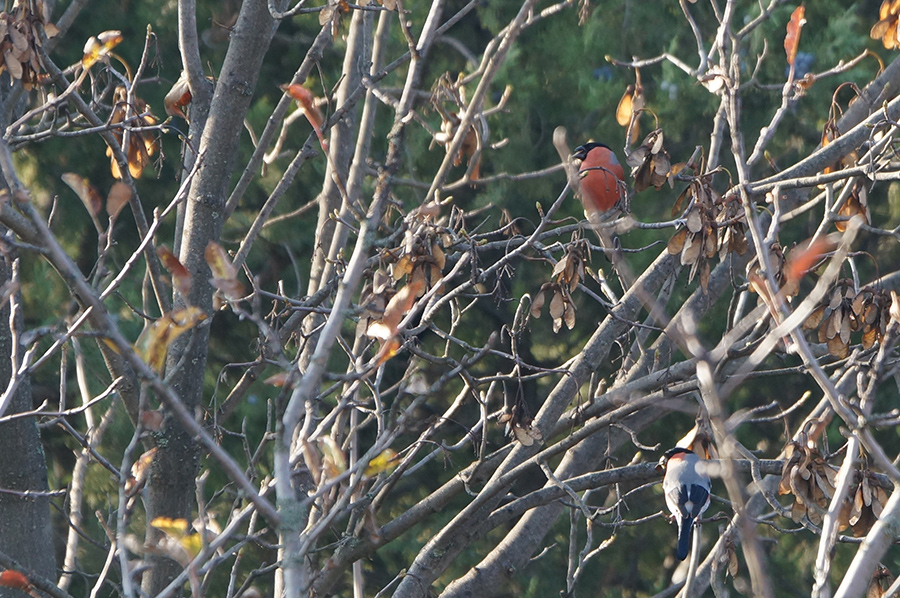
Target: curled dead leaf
<point x="224" y="273"/>
<point x="178" y="543"/>
<point x="85" y="191"/>
<point x="792" y="38"/>
<point x="394" y="312"/>
<point x="97" y="48"/>
<point x="181" y="278"/>
<point x="383" y="461"/>
<point x="178" y="98"/>
<point x="836" y="318"/>
<point x="153" y="343"/>
<point x="142" y="145"/>
<point x="386" y="329"/>
<point x="140" y="470"/>
<point x="307" y="102"/>
<point x="118" y="197"/>
<point x="334" y="461"/>
<point x="886" y="27"/>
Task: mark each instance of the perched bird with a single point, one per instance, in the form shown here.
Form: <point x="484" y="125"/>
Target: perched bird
<point x="601" y="179"/>
<point x="601" y="185"/>
<point x="686" y="487"/>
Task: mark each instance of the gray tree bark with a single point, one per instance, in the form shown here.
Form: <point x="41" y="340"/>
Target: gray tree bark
<point x="25" y="531"/>
<point x="171" y="483"/>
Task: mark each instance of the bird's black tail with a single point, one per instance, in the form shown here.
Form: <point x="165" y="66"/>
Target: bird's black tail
<point x="684" y="538"/>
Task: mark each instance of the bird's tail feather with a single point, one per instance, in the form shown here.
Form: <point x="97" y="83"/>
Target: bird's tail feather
<point x="684" y="538"/>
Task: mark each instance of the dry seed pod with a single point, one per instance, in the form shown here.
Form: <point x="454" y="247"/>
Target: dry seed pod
<point x="809" y="479"/>
<point x="650" y="164"/>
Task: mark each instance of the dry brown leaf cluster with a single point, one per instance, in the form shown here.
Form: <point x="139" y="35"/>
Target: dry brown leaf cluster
<point x="697" y="241"/>
<point x="809" y="479"/>
<point x="872" y="308"/>
<point x="333" y="12"/>
<point x="845" y="311"/>
<point x="519" y="424"/>
<point x="421" y="260"/>
<point x="863" y="508"/>
<point x="649" y="163"/>
<point x="451" y="92"/>
<point x="835" y="318"/>
<point x="142" y="145"/>
<point x="20" y="39"/>
<point x="387" y="329"/>
<point x="886" y="27"/>
<point x="880" y="583"/>
<point x="756" y="276"/>
<point x="373" y="300"/>
<point x="567" y="274"/>
<point x="732" y="226"/>
<point x="421" y="257"/>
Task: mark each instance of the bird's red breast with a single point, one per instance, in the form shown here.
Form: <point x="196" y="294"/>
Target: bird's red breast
<point x="601" y="178"/>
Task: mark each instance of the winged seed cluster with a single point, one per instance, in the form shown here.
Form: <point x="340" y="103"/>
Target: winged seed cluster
<point x="20" y="38"/>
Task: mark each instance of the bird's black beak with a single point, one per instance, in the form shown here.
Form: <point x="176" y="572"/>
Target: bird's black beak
<point x="580" y="153"/>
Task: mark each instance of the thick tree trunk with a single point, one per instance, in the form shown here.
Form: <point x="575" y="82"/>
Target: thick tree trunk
<point x="171" y="483"/>
<point x="25" y="530"/>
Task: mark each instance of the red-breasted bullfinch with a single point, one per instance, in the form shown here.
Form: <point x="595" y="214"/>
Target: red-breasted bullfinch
<point x="601" y="185"/>
<point x="686" y="487"/>
<point x="601" y="179"/>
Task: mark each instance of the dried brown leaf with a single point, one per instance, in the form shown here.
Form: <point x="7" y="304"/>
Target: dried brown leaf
<point x="792" y="38"/>
<point x="181" y="278"/>
<point x="85" y="191"/>
<point x="118" y="197"/>
<point x="224" y="273"/>
<point x="178" y="98"/>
